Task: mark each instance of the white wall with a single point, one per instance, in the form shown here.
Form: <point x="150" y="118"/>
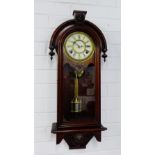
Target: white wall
<point x="48" y="15"/>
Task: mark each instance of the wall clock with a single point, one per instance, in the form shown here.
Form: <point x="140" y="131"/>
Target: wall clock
<point x="79" y="45"/>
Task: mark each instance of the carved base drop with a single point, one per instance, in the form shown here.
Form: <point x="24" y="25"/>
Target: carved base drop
<point x="77" y="138"/>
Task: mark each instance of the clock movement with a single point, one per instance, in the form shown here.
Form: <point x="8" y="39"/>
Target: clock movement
<point x="79" y="45"/>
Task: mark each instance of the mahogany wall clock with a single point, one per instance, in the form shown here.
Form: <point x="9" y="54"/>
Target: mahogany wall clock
<point x="79" y="45"/>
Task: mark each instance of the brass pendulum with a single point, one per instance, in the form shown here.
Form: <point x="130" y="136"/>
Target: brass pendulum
<point x="76" y="101"/>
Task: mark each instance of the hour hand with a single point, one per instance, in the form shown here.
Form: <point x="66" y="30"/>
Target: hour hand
<point x="78" y="45"/>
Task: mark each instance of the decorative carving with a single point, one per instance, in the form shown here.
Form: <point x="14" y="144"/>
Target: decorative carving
<point x="52" y="51"/>
<point x="104" y="56"/>
<point x="79" y="16"/>
<point x="98" y="135"/>
<point x="78" y="140"/>
<point x="59" y="137"/>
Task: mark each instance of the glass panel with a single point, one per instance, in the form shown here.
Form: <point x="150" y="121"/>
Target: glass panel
<point x="79" y="92"/>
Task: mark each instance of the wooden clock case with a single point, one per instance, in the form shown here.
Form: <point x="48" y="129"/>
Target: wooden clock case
<point x="78" y="133"/>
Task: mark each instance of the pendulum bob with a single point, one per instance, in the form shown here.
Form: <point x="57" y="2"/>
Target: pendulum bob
<point x="76" y="105"/>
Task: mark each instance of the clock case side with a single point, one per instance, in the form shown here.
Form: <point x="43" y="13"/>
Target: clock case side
<point x="74" y="135"/>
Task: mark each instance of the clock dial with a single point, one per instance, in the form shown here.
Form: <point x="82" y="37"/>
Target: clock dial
<point x="79" y="46"/>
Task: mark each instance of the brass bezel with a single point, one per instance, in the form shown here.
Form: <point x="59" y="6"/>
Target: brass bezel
<point x="81" y="60"/>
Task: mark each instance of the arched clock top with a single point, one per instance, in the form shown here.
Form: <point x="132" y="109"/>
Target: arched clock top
<point x="78" y="23"/>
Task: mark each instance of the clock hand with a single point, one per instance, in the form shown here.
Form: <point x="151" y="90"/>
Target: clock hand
<point x="80" y="46"/>
<point x="77" y="45"/>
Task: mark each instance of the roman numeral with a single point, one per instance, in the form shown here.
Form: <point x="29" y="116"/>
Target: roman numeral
<point x="87" y="51"/>
<point x="87" y="45"/>
<point x="71" y="51"/>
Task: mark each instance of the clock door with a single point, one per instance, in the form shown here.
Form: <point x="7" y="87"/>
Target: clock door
<point x="79" y="95"/>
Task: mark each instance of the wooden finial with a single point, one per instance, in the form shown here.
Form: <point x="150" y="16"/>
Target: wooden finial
<point x="79" y="16"/>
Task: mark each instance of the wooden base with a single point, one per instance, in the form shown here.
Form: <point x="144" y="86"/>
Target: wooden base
<point x="77" y="138"/>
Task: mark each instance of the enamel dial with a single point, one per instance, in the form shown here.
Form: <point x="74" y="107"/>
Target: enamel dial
<point x="79" y="46"/>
